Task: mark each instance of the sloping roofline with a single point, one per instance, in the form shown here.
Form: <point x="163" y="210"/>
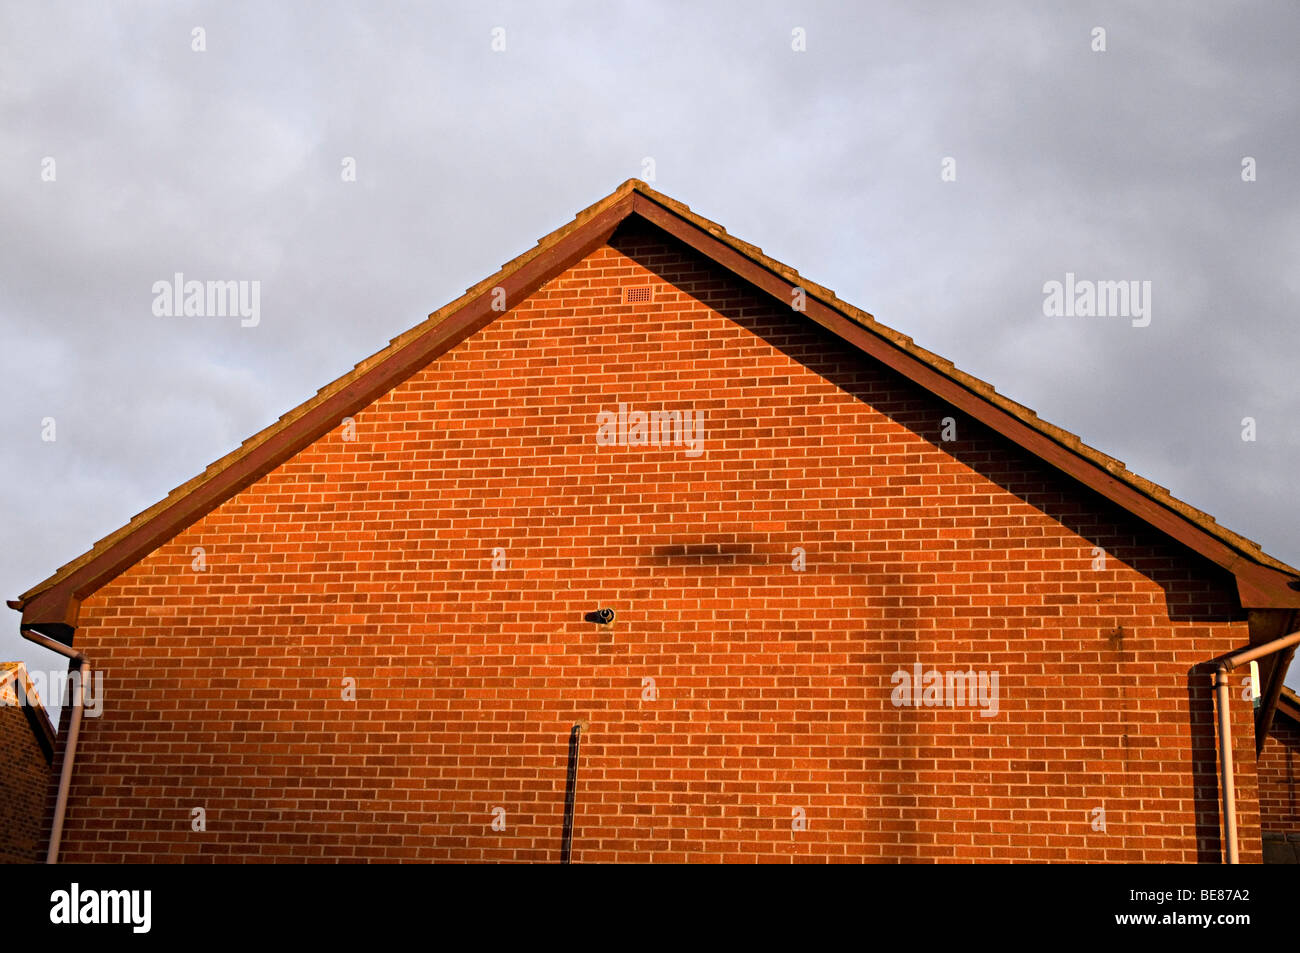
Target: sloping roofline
<point x="1288" y="703"/>
<point x="51" y="606"/>
<point x="23" y="692"/>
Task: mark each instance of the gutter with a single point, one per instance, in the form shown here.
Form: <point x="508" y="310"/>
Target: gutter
<point x="1225" y="666"/>
<point x="78" y="661"/>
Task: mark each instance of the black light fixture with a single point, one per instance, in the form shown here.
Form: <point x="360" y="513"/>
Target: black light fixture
<point x="600" y="616"/>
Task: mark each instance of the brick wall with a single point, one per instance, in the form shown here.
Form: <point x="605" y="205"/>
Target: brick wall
<point x="372" y="560"/>
<point x="24" y="776"/>
<point x="1279" y="777"/>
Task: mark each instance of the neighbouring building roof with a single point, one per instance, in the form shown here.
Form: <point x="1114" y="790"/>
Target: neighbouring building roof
<point x="16" y="688"/>
<point x="1265" y="584"/>
<point x="1288" y="704"/>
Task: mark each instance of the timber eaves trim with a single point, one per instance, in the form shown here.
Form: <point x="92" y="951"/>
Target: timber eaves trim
<point x="1288" y="703"/>
<point x="1263" y="581"/>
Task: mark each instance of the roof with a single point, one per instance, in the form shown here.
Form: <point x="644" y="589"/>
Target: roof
<point x="1263" y="582"/>
<point x="1288" y="703"/>
<point x="16" y="688"/>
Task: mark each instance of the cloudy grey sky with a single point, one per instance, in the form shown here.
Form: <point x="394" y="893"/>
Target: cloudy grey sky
<point x="225" y="163"/>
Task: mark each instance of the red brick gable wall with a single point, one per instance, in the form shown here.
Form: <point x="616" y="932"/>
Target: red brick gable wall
<point x="738" y="709"/>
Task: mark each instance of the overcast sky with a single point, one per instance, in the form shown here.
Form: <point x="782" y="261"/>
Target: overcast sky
<point x="226" y="163"/>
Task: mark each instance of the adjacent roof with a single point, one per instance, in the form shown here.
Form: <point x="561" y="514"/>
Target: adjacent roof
<point x="1263" y="582"/>
<point x="1288" y="703"/>
<point x="16" y="688"/>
